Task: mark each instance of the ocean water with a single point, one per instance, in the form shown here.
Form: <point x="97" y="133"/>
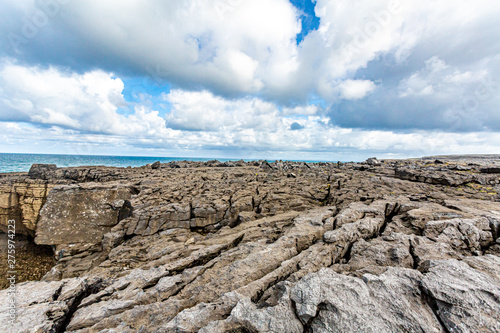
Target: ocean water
<point x="23" y="162"/>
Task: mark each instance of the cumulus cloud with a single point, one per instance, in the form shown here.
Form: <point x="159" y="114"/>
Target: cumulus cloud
<point x="313" y="142"/>
<point x="308" y="110"/>
<point x="438" y="96"/>
<point x="87" y="102"/>
<point x="355" y="89"/>
<point x="49" y="96"/>
<point x="227" y="46"/>
<point x="203" y="111"/>
<point x="236" y="48"/>
<point x="439" y="76"/>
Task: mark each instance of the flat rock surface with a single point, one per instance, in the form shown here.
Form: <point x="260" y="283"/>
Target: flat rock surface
<point x="380" y="246"/>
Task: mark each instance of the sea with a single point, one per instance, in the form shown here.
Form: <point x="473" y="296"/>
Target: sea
<point x="23" y="162"/>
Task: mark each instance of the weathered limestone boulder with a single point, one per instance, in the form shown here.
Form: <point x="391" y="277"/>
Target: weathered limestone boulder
<point x="45" y="306"/>
<point x="156" y="165"/>
<point x="351" y="232"/>
<point x="484" y="264"/>
<point x="464" y="298"/>
<point x="392" y="302"/>
<point x="275" y="314"/>
<point x="423" y="249"/>
<point x="434" y="177"/>
<point x="42" y="171"/>
<point x="358" y="210"/>
<point x="416" y="215"/>
<point x="392" y="250"/>
<point x="373" y="161"/>
<point x="464" y="235"/>
<point x="266" y="166"/>
<point x="82" y="214"/>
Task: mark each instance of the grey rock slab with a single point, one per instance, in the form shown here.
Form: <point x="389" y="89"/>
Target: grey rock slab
<point x="44" y="306"/>
<point x="80" y="214"/>
<point x="279" y="317"/>
<point x="329" y="302"/>
<point x="466" y="299"/>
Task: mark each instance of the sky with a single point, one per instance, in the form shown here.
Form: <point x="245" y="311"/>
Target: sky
<point x="275" y="79"/>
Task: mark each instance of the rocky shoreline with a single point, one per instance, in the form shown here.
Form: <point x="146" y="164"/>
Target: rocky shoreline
<point x="380" y="246"/>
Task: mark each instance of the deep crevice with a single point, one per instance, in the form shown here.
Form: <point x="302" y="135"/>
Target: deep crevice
<point x="91" y="289"/>
<point x="308" y="326"/>
<point x="495" y="228"/>
<point x="294" y="309"/>
<point x="347" y="256"/>
<point x="257" y="297"/>
<point x="57" y="293"/>
<point x="128" y="237"/>
<point x="191" y="211"/>
<point x="416" y="261"/>
<point x="125" y="211"/>
<point x="324" y="202"/>
<point x="134" y="190"/>
<point x="432" y="303"/>
<point x="240" y="329"/>
<point x="390" y="212"/>
<point x="210" y="256"/>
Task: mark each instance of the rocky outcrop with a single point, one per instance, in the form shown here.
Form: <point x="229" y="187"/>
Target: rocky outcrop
<point x="22" y="201"/>
<point x="42" y="171"/>
<point x="46" y="306"/>
<point x="236" y="247"/>
<point x="390" y="302"/>
<point x="82" y="214"/>
<point x="465" y="299"/>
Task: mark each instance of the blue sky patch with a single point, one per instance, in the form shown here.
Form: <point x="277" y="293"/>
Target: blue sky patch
<point x="145" y="90"/>
<point x="310" y="21"/>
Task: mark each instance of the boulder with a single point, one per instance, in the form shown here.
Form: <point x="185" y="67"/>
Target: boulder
<point x="266" y="166"/>
<point x="81" y="214"/>
<point x="42" y="171"/>
<point x="329" y="302"/>
<point x="45" y="306"/>
<point x="464" y="298"/>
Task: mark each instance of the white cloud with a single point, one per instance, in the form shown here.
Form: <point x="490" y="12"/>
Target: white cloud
<point x="203" y="111"/>
<point x="248" y="46"/>
<point x="49" y="96"/>
<point x="467" y="97"/>
<point x="422" y="83"/>
<point x="83" y="102"/>
<point x="312" y="142"/>
<point x="189" y="41"/>
<point x="80" y="111"/>
<point x="356" y="89"/>
<point x="308" y="110"/>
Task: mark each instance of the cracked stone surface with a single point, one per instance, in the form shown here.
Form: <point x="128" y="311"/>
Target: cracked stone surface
<point x="380" y="246"/>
